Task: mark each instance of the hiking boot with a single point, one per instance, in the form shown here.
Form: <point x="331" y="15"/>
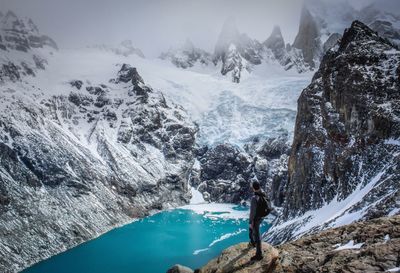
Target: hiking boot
<point x="256" y="258"/>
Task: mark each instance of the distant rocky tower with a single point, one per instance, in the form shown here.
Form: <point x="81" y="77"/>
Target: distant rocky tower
<point x="346" y="147"/>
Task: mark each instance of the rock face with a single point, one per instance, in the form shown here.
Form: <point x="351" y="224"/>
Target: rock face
<point x="276" y="43"/>
<point x="307" y="39"/>
<point x="21" y="39"/>
<point x="371" y="246"/>
<point x="73" y="166"/>
<point x="235" y="51"/>
<point x="224" y="172"/>
<point x="345" y="152"/>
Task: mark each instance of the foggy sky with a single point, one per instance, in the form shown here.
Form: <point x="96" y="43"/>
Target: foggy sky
<point x="155" y="25"/>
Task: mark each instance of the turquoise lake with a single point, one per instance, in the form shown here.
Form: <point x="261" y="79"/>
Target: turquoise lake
<point x="154" y="244"/>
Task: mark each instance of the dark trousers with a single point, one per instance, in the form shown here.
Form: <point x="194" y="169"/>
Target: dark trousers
<point x="255" y="237"/>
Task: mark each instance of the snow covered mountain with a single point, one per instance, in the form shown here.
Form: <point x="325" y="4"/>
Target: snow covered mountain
<point x="23" y="49"/>
<point x="344" y="162"/>
<point x="236" y="55"/>
<point x="322" y="22"/>
<point x="94" y="137"/>
<point x="80" y="152"/>
<point x="187" y="56"/>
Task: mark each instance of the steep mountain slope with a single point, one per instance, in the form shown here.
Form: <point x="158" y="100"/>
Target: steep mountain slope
<point x="75" y="165"/>
<point x="81" y="155"/>
<point x="344" y="162"/>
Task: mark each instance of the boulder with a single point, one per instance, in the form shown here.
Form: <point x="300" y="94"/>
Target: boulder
<point x="179" y="269"/>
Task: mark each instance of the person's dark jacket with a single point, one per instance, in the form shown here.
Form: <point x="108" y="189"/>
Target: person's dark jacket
<point x="253" y="206"/>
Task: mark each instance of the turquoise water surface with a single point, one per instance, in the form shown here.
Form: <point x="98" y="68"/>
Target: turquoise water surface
<point x="152" y="245"/>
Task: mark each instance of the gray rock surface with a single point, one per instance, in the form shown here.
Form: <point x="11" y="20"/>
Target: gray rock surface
<point x="345" y="152"/>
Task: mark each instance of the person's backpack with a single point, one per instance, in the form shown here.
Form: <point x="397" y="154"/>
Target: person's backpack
<point x="263" y="206"/>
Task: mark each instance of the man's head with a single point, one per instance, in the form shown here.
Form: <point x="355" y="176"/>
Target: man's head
<point x="255" y="186"/>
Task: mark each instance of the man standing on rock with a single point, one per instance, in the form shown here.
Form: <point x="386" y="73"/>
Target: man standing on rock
<point x="259" y="208"/>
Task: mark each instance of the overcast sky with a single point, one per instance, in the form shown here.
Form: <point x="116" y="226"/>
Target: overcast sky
<point x="154" y="25"/>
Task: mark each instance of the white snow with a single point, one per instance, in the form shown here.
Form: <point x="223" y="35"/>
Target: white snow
<point x="336" y="212"/>
<point x="386" y="238"/>
<point x="349" y="245"/>
<point x="395" y="269"/>
<point x="223" y="237"/>
<point x="197" y="197"/>
<point x="392" y="141"/>
<point x="267" y="90"/>
<point x="394" y="212"/>
<point x="218" y="210"/>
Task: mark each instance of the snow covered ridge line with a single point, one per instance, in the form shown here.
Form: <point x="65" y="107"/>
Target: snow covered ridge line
<point x="344" y="163"/>
<point x="236" y="54"/>
<point x="320" y="28"/>
<point x="77" y="164"/>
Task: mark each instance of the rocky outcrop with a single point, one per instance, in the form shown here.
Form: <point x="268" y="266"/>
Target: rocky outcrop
<point x="179" y="269"/>
<point x="371" y="246"/>
<point x="22" y="34"/>
<point x="237" y="259"/>
<point x="345" y="152"/>
<point x="225" y="172"/>
<point x="75" y="166"/>
<point x="236" y="51"/>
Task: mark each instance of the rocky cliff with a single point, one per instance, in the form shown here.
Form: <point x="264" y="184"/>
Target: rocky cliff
<point x="344" y="162"/>
<point x="371" y="246"/>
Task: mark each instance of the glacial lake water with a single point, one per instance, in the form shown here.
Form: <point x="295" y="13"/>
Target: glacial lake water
<point x="189" y="236"/>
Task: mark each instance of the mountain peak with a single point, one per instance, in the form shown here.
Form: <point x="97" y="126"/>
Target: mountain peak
<point x="275" y="39"/>
<point x="229" y="34"/>
<point x="359" y="32"/>
<point x="10" y="14"/>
